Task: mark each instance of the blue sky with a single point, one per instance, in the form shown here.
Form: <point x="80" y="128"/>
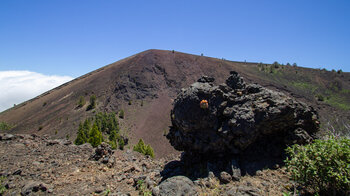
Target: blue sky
<point x="64" y="37"/>
<point x="57" y="40"/>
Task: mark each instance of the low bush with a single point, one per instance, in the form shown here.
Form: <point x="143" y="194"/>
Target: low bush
<point x="276" y="65"/>
<point x="81" y="101"/>
<point x="323" y="166"/>
<point x="5" y="127"/>
<point x="113" y="144"/>
<point x="319" y="97"/>
<point x="92" y="103"/>
<point x="143" y="190"/>
<point x="141" y="147"/>
<point x="121" y="114"/>
<point x="121" y="143"/>
<point x="2" y="186"/>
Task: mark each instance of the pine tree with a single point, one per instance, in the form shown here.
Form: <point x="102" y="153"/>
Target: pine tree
<point x="81" y="136"/>
<point x="81" y="101"/>
<point x="113" y="122"/>
<point x="95" y="136"/>
<point x="113" y="135"/>
<point x="92" y="103"/>
<point x="144" y="149"/>
<point x="99" y="120"/>
<point x="86" y="128"/>
<point x="149" y="151"/>
<point x="140" y="147"/>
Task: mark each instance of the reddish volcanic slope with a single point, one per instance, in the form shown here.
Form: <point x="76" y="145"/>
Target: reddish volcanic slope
<point x="150" y="81"/>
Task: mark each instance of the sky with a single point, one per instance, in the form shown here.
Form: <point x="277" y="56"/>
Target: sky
<point x="59" y="40"/>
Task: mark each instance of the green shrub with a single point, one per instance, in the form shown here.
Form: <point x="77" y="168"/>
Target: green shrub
<point x="5" y="127"/>
<point x="121" y="114"/>
<point x="95" y="136"/>
<point x="82" y="138"/>
<point x="106" y="123"/>
<point x="81" y="101"/>
<point x="121" y="143"/>
<point x="113" y="135"/>
<point x="276" y="65"/>
<point x="87" y="127"/>
<point x="113" y="144"/>
<point x="323" y="166"/>
<point x="92" y="103"/>
<point x="143" y="190"/>
<point x="320" y="97"/>
<point x="149" y="151"/>
<point x="2" y="186"/>
<point x="141" y="147"/>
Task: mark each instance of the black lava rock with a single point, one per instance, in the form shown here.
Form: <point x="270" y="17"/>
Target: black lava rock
<point x="241" y="120"/>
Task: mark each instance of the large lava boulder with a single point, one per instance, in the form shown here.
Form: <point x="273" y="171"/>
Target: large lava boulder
<point x="241" y="120"/>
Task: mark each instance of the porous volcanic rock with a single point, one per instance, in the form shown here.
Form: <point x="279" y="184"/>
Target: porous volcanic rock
<point x="177" y="185"/>
<point x="241" y="120"/>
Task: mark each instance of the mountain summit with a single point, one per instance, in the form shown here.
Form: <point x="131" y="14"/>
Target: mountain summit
<point x="144" y="86"/>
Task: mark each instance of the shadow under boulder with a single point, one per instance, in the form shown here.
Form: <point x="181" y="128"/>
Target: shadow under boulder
<point x="242" y="129"/>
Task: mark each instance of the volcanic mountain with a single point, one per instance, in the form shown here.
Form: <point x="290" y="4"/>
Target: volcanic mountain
<point x="144" y="86"/>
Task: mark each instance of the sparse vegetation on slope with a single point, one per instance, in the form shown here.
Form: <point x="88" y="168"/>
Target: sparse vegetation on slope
<point x="270" y="68"/>
<point x="143" y="190"/>
<point x="92" y="103"/>
<point x="2" y="187"/>
<point x="121" y="114"/>
<point x="322" y="166"/>
<point x="82" y="136"/>
<point x="5" y="126"/>
<point x="106" y="123"/>
<point x="81" y="101"/>
<point x="338" y="100"/>
<point x="95" y="136"/>
<point x="141" y="147"/>
<point x="332" y="94"/>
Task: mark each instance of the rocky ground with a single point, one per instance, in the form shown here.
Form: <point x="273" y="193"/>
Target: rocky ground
<point x="37" y="165"/>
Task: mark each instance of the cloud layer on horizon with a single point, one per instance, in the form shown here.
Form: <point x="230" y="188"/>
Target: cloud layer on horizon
<point x="19" y="86"/>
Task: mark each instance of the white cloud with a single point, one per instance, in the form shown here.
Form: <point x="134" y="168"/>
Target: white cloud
<point x="19" y="86"/>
